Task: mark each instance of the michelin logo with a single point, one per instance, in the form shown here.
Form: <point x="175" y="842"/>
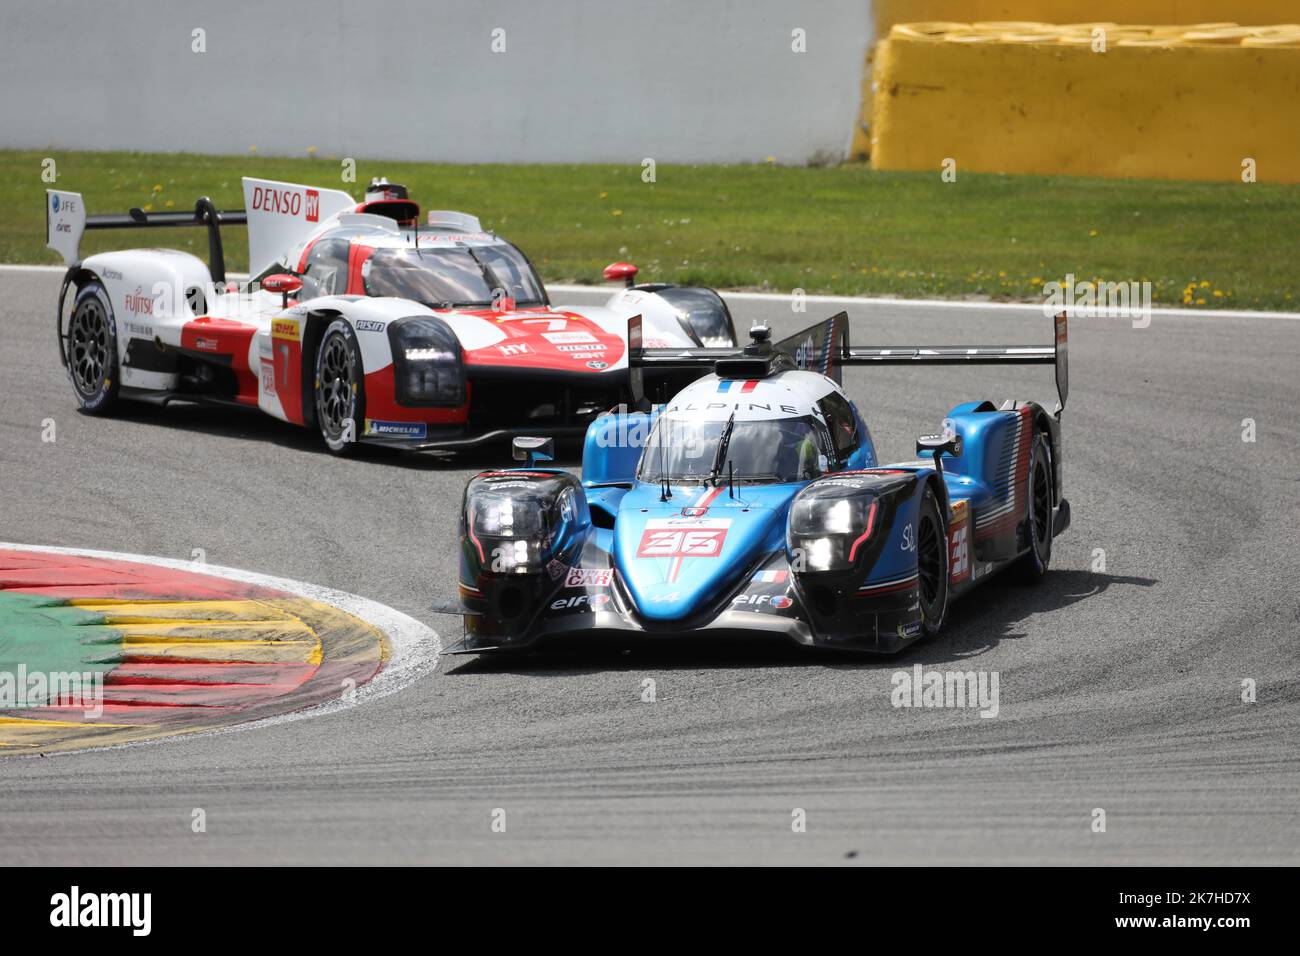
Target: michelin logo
<point x="397" y="429"/>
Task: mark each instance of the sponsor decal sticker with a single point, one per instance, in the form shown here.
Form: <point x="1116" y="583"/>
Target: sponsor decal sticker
<point x="455" y="237"/>
<point x="589" y="578"/>
<point x="368" y="325"/>
<point x="909" y="538"/>
<point x="770" y="577"/>
<point x="138" y="302"/>
<point x="206" y="345"/>
<point x="283" y="202"/>
<point x="597" y="365"/>
<point x="569" y="338"/>
<point x="758" y="602"/>
<point x="313" y="205"/>
<point x="396" y="429"/>
<point x="285" y="329"/>
<point x="580" y="601"/>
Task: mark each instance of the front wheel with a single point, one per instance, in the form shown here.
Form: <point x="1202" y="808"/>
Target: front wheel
<point x="931" y="564"/>
<point x="92" y="350"/>
<point x="340" y="388"/>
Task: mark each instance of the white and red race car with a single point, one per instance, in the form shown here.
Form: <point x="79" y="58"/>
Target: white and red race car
<point x="359" y="320"/>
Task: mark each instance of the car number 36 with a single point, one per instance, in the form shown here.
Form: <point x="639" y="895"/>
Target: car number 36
<point x="681" y="544"/>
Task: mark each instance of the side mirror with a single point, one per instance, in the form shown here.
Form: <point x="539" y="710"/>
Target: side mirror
<point x="533" y="450"/>
<point x="624" y="271"/>
<point x="937" y="445"/>
<point x="283" y="283"/>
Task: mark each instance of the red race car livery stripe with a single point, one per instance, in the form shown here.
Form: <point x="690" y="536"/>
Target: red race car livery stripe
<point x="218" y="337"/>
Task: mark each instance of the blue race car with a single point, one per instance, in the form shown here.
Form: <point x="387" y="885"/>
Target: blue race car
<point x="753" y="501"/>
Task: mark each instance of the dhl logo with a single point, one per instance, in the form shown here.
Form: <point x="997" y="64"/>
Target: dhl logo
<point x="285" y="329"/>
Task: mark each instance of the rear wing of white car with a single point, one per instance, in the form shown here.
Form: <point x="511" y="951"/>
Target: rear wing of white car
<point x="66" y="221"/>
<point x="278" y="215"/>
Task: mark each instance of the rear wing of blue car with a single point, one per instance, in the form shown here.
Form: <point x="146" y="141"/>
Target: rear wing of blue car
<point x="825" y="348"/>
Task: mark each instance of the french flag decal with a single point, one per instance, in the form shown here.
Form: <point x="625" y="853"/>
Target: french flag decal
<point x="726" y="385"/>
<point x="771" y="577"/>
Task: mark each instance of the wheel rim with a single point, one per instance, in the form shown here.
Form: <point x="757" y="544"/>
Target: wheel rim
<point x="1042" y="502"/>
<point x="335" y="396"/>
<point x="929" y="562"/>
<point x="88" y="346"/>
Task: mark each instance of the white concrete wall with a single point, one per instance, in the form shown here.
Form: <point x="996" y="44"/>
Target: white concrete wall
<point x="580" y="80"/>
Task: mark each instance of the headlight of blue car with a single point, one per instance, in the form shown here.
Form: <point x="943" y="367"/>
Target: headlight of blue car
<point x="829" y="528"/>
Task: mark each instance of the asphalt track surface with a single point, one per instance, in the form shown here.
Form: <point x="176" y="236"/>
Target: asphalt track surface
<point x="1119" y="689"/>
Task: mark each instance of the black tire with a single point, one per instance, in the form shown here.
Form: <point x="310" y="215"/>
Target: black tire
<point x="1034" y="564"/>
<point x="91" y="348"/>
<point x="339" y="389"/>
<point x="931" y="564"/>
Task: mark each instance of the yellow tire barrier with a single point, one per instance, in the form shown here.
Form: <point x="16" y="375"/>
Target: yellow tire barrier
<point x="1201" y="101"/>
<point x="888" y="13"/>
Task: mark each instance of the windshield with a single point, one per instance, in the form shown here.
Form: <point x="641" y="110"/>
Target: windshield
<point x="445" y="277"/>
<point x="777" y="450"/>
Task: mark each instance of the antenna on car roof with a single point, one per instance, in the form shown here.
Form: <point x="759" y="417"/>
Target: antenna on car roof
<point x="665" y="482"/>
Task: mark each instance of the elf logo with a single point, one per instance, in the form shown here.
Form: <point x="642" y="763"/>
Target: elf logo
<point x="568" y="604"/>
<point x="75" y="909"/>
<point x="778" y="601"/>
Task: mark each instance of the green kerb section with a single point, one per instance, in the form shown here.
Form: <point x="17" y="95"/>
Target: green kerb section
<point x="50" y="636"/>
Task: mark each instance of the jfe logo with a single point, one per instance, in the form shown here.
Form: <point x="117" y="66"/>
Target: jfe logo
<point x="103" y="909"/>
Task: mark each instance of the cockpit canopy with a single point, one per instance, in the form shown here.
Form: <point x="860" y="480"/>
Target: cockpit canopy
<point x="454" y="276"/>
<point x="764" y="451"/>
<point x="441" y="275"/>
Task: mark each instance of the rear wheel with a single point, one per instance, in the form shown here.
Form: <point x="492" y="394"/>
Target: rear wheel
<point x="931" y="564"/>
<point x="340" y="388"/>
<point x="92" y="350"/>
<point x="1034" y="564"/>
